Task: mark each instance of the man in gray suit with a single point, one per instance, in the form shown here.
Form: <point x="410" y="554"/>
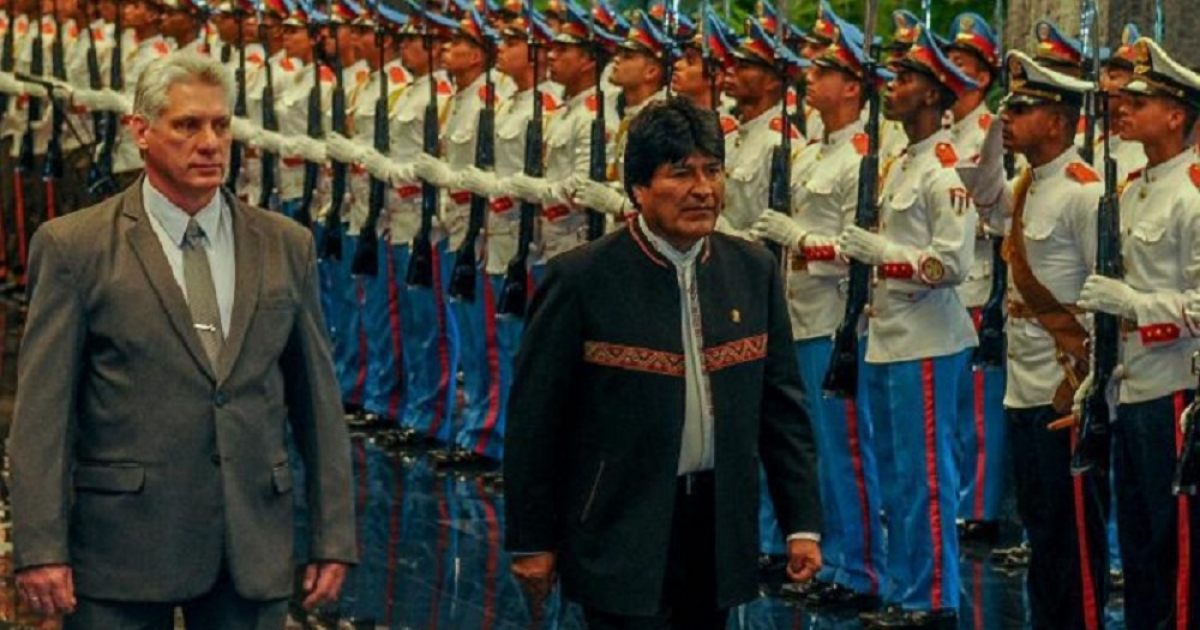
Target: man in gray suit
<point x="173" y="336"/>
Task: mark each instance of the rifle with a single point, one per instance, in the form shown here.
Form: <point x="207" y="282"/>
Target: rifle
<point x="516" y="275"/>
<point x="240" y="108"/>
<point x="269" y="175"/>
<point x="1187" y="466"/>
<point x="1088" y="18"/>
<point x="52" y="167"/>
<point x="991" y="349"/>
<point x="420" y="263"/>
<point x="25" y="157"/>
<point x="1092" y="449"/>
<point x="95" y="82"/>
<point x="598" y="149"/>
<point x="779" y="189"/>
<point x="101" y="183"/>
<point x="313" y="128"/>
<point x="462" y="278"/>
<point x="366" y="257"/>
<point x="331" y="246"/>
<point x="841" y="377"/>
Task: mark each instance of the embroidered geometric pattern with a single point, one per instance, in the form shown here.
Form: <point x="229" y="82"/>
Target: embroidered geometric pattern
<point x="632" y="358"/>
<point x="734" y="353"/>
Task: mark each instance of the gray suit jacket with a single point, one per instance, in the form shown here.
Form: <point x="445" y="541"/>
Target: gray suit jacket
<point x="136" y="461"/>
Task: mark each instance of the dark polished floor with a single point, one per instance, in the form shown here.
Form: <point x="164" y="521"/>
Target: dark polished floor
<point x="433" y="558"/>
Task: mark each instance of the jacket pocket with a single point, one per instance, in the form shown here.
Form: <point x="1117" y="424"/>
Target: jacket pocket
<point x="591" y="499"/>
<point x="113" y="478"/>
<point x="281" y="478"/>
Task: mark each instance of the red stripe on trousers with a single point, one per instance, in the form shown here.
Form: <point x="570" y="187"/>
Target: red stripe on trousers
<point x="491" y="345"/>
<point x="931" y="477"/>
<point x="397" y="344"/>
<point x="360" y="381"/>
<point x="1183" y="575"/>
<point x="1091" y="616"/>
<point x="860" y="482"/>
<point x="439" y="404"/>
<point x="980" y="432"/>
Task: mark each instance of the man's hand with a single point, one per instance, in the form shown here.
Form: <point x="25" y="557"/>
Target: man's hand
<point x="535" y="573"/>
<point x="322" y="582"/>
<point x="48" y="590"/>
<point x="804" y="560"/>
<point x="777" y="227"/>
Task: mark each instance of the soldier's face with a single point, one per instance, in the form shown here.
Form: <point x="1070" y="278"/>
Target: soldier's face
<point x="460" y="54"/>
<point x="296" y="42"/>
<point x="176" y="24"/>
<point x="684" y="199"/>
<point x="226" y="27"/>
<point x="971" y="65"/>
<point x="1150" y="119"/>
<point x="688" y="77"/>
<point x="413" y="55"/>
<point x="568" y="63"/>
<point x="750" y="80"/>
<point x="632" y="69"/>
<point x="810" y="50"/>
<point x="186" y="148"/>
<point x="1027" y="126"/>
<point x="908" y="94"/>
<point x="827" y="89"/>
<point x="140" y="13"/>
<point x="512" y="57"/>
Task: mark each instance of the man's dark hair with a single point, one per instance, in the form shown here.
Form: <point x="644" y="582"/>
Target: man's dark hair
<point x="667" y="132"/>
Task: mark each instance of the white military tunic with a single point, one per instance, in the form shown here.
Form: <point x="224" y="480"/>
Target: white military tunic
<point x="748" y="166"/>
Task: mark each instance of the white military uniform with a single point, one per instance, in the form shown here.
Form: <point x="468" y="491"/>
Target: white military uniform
<point x="15" y="118"/>
<point x="1059" y="221"/>
<point x="748" y="166"/>
<point x="363" y="132"/>
<point x="824" y="198"/>
<point x="915" y="311"/>
<point x="79" y="77"/>
<point x="408" y="122"/>
<point x="291" y="103"/>
<point x="459" y="137"/>
<point x="1128" y="155"/>
<point x="126" y="156"/>
<point x="250" y="177"/>
<point x="1160" y="246"/>
<point x="967" y="137"/>
<point x="503" y="219"/>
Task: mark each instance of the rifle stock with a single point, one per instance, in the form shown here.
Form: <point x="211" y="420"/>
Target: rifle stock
<point x="1187" y="467"/>
<point x="331" y="246"/>
<point x="420" y="264"/>
<point x="466" y="263"/>
<point x="240" y="108"/>
<point x="366" y="257"/>
<point x="269" y="192"/>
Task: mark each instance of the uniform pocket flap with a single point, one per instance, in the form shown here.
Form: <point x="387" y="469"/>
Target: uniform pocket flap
<point x="110" y="477"/>
<point x="281" y="478"/>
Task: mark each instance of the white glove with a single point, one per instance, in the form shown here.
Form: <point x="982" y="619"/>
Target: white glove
<point x="867" y="247"/>
<point x="778" y="228"/>
<point x="269" y="141"/>
<point x="434" y="171"/>
<point x="396" y="173"/>
<point x="600" y="196"/>
<point x="1085" y="387"/>
<point x="10" y="85"/>
<point x="309" y="149"/>
<point x="244" y="130"/>
<point x="342" y="149"/>
<point x="106" y="100"/>
<point x="985" y="179"/>
<point x="480" y="182"/>
<point x="1106" y="295"/>
<point x="376" y="163"/>
<point x="532" y="189"/>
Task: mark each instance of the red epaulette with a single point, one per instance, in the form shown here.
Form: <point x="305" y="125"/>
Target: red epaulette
<point x="861" y="143"/>
<point x="161" y="48"/>
<point x="254" y="58"/>
<point x="946" y="154"/>
<point x="985" y="122"/>
<point x="287" y="64"/>
<point x="549" y="102"/>
<point x="1194" y="173"/>
<point x="592" y="103"/>
<point x="728" y="124"/>
<point x="1082" y="173"/>
<point x="326" y="74"/>
<point x="397" y="76"/>
<point x="362" y="76"/>
<point x="443" y="88"/>
<point x="777" y="125"/>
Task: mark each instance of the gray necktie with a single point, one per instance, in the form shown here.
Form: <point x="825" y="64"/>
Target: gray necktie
<point x="201" y="293"/>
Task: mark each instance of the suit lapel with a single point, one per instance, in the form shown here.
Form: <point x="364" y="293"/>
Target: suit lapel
<point x="248" y="246"/>
<point x="148" y="249"/>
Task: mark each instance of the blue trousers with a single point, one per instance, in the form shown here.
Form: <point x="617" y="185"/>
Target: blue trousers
<point x="348" y="336"/>
<point x="385" y="386"/>
<point x="852" y="537"/>
<point x="915" y="406"/>
<point x="1158" y="531"/>
<point x="429" y="341"/>
<point x="981" y="441"/>
<point x="488" y="348"/>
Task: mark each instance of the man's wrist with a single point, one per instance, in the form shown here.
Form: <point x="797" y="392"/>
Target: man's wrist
<point x="811" y="536"/>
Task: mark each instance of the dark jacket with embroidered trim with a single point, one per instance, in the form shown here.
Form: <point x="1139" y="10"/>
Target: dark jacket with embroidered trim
<point x="597" y="410"/>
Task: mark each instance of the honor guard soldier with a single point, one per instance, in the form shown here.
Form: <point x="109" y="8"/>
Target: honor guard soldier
<point x="757" y="85"/>
<point x="1160" y="252"/>
<point x="1050" y="249"/>
<point x="823" y="34"/>
<point x="144" y="44"/>
<point x="247" y="58"/>
<point x="919" y="337"/>
<point x="640" y="72"/>
<point x="183" y="25"/>
<point x="80" y="135"/>
<point x="699" y="70"/>
<point x="466" y="57"/>
<point x="981" y="434"/>
<point x="824" y="197"/>
<point x="1116" y="72"/>
<point x="573" y="58"/>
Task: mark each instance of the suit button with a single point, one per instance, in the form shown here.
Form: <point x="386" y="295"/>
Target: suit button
<point x="216" y="460"/>
<point x="219" y="399"/>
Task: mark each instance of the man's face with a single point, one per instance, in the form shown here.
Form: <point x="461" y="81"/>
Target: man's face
<point x="226" y="27"/>
<point x="908" y="94"/>
<point x="1149" y="119"/>
<point x="749" y="80"/>
<point x="413" y="55"/>
<point x="176" y="24"/>
<point x="362" y="45"/>
<point x="296" y="42"/>
<point x="568" y="62"/>
<point x="461" y="54"/>
<point x="1027" y="126"/>
<point x="186" y="148"/>
<point x="810" y="50"/>
<point x="632" y="69"/>
<point x="688" y="77"/>
<point x="140" y="13"/>
<point x="683" y="200"/>
<point x="512" y="56"/>
<point x="1112" y="79"/>
<point x="826" y="89"/>
<point x="971" y="65"/>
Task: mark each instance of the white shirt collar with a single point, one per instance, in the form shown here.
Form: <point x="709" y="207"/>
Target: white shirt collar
<point x="677" y="258"/>
<point x="174" y="220"/>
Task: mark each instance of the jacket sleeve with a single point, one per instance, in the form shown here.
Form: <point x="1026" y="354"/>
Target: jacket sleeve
<point x="549" y="358"/>
<point x="44" y="420"/>
<point x="315" y="413"/>
<point x="786" y="443"/>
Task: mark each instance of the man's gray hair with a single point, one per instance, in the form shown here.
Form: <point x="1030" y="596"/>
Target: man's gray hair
<point x="150" y="98"/>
